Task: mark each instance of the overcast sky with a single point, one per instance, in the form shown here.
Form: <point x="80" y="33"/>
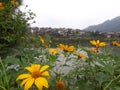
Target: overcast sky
<point x="76" y="14"/>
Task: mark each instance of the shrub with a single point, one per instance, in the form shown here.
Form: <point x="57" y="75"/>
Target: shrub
<point x="13" y="25"/>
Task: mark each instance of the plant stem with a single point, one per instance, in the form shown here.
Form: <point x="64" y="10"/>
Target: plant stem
<point x="111" y="82"/>
<point x="4" y="71"/>
<point x="3" y="88"/>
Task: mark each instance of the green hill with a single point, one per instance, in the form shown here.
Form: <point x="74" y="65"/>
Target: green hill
<point x="107" y="26"/>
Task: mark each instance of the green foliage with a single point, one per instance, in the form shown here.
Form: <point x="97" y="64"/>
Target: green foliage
<point x="13" y="26"/>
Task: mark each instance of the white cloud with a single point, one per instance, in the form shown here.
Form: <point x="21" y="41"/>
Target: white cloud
<point x="73" y="13"/>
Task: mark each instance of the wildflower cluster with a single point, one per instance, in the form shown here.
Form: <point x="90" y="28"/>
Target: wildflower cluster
<point x="64" y="67"/>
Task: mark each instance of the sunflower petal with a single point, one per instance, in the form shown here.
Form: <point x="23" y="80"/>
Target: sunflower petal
<point x="102" y="44"/>
<point x="44" y="68"/>
<point x="23" y="76"/>
<point x="29" y="69"/>
<point x="35" y="66"/>
<point x="45" y="74"/>
<point x="42" y="81"/>
<point x="29" y="83"/>
<point x="38" y="84"/>
<point x="24" y="81"/>
<point x="93" y="42"/>
<point x="98" y="41"/>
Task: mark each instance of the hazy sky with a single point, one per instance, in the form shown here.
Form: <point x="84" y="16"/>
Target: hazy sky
<point x="72" y="13"/>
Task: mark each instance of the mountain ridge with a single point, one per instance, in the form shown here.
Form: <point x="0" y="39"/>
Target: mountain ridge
<point x="106" y="26"/>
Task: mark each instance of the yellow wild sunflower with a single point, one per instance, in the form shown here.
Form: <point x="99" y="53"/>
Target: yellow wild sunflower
<point x="82" y="56"/>
<point x="66" y="48"/>
<point x="1" y="6"/>
<point x="95" y="50"/>
<point x="116" y="43"/>
<point x="41" y="40"/>
<point x="53" y="51"/>
<point x="60" y="85"/>
<point x="97" y="43"/>
<point x="14" y="2"/>
<point x="35" y="77"/>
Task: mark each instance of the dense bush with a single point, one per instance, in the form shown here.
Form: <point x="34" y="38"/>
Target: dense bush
<point x="13" y="25"/>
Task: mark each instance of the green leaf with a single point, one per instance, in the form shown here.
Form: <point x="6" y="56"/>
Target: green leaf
<point x="12" y="60"/>
<point x="101" y="77"/>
